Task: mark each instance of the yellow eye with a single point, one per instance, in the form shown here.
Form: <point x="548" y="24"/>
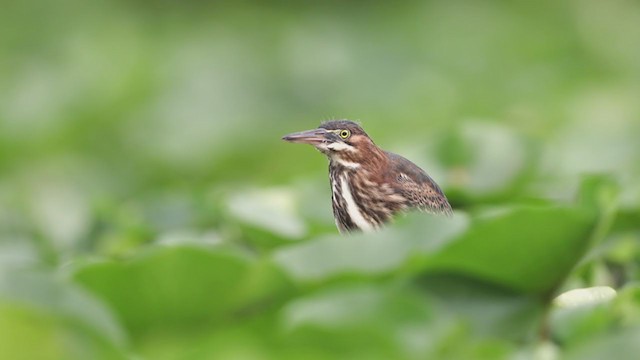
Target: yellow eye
<point x="345" y="133"/>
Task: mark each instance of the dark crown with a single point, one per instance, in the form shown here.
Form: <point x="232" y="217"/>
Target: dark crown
<point x="353" y="127"/>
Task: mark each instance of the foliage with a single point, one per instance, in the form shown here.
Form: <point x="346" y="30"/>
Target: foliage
<point x="149" y="210"/>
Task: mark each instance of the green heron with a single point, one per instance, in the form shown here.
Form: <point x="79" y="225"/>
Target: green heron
<point x="369" y="185"/>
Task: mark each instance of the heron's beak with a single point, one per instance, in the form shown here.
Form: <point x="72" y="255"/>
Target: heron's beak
<point x="313" y="137"/>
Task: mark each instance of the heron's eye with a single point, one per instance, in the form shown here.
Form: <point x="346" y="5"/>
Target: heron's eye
<point x="345" y="133"/>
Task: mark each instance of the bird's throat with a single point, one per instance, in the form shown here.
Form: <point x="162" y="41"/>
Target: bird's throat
<point x="349" y="200"/>
<point x="350" y="165"/>
<point x="352" y="209"/>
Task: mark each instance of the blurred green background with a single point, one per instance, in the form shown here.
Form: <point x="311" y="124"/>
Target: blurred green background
<point x="149" y="209"/>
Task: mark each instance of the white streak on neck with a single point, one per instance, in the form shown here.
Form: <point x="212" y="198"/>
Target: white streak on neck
<point x="345" y="163"/>
<point x="352" y="208"/>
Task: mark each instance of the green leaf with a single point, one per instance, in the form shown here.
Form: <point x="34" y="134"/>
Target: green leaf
<point x="486" y="157"/>
<point x="182" y="287"/>
<point x="527" y="249"/>
<point x="271" y="209"/>
<point x="369" y="253"/>
<point x="583" y="323"/>
<point x="483" y="309"/>
<point x="397" y="319"/>
<point x="382" y="320"/>
<point x="37" y="311"/>
<point x="619" y="345"/>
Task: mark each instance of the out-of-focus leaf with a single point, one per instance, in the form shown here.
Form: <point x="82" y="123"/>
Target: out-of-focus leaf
<point x="369" y="253"/>
<point x="627" y="305"/>
<point x="182" y="286"/>
<point x="345" y="316"/>
<point x="619" y="345"/>
<point x="575" y="325"/>
<point x="580" y="314"/>
<point x="273" y="210"/>
<point x="17" y="253"/>
<point x="598" y="136"/>
<point x="494" y="313"/>
<point x="37" y="312"/>
<point x="332" y="255"/>
<point x="527" y="249"/>
<point x="600" y="192"/>
<point x="581" y="323"/>
<point x="485" y="157"/>
<point x="356" y="305"/>
<point x="582" y="297"/>
<point x="405" y="324"/>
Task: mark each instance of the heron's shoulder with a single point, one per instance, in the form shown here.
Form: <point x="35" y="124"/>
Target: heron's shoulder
<point x="406" y="170"/>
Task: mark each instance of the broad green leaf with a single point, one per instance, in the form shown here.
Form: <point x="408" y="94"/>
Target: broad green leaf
<point x="485" y="310"/>
<point x="369" y="253"/>
<point x="45" y="318"/>
<point x="396" y="320"/>
<point x="357" y="305"/>
<point x="182" y="287"/>
<point x="528" y="249"/>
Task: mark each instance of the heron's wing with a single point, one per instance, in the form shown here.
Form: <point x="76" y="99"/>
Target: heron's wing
<point x="420" y="190"/>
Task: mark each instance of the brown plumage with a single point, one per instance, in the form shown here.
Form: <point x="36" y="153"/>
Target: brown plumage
<point x="370" y="185"/>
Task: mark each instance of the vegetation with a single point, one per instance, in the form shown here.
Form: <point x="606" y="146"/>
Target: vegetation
<point x="149" y="210"/>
